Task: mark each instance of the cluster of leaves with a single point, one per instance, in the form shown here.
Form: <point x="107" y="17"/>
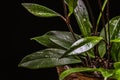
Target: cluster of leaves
<point x="67" y="47"/>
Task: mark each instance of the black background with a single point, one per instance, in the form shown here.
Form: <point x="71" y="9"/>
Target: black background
<point x="24" y="26"/>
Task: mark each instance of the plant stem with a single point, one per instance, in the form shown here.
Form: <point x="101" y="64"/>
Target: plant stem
<point x="100" y="15"/>
<point x="105" y="78"/>
<point x="91" y="16"/>
<point x="96" y="51"/>
<point x="65" y="9"/>
<point x="70" y="29"/>
<point x="88" y="60"/>
<point x="103" y="20"/>
<point x="67" y="20"/>
<point x="97" y="24"/>
<point x="107" y="14"/>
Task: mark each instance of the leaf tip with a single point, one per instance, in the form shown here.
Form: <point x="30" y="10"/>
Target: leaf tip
<point x="23" y="4"/>
<point x="26" y="5"/>
<point x="31" y="38"/>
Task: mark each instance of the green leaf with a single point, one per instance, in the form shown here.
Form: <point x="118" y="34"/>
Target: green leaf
<point x="114" y="25"/>
<point x="117" y="74"/>
<point x="90" y="53"/>
<point x="100" y="14"/>
<point x="102" y="49"/>
<point x="73" y="70"/>
<point x="63" y="39"/>
<point x="46" y="59"/>
<point x="115" y="52"/>
<point x="83" y="45"/>
<point x="117" y="70"/>
<point x="115" y="40"/>
<point x="106" y="73"/>
<point x="82" y="18"/>
<point x="71" y="5"/>
<point x="117" y="65"/>
<point x="39" y="10"/>
<point x="57" y="39"/>
<point x="45" y="40"/>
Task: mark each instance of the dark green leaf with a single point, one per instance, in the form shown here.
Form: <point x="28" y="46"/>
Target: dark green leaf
<point x="46" y="53"/>
<point x="83" y="45"/>
<point x="59" y="39"/>
<point x="114" y="25"/>
<point x="45" y="40"/>
<point x="71" y="5"/>
<point x="46" y="59"/>
<point x="39" y="10"/>
<point x="115" y="51"/>
<point x="63" y="39"/>
<point x="82" y="17"/>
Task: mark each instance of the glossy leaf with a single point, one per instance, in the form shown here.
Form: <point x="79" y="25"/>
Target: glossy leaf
<point x="46" y="53"/>
<point x="83" y="45"/>
<point x="46" y="59"/>
<point x="114" y="34"/>
<point x="71" y="5"/>
<point x="59" y="39"/>
<point x="115" y="50"/>
<point x="45" y="40"/>
<point x="63" y="39"/>
<point x="39" y="10"/>
<point x="82" y="18"/>
<point x="114" y="25"/>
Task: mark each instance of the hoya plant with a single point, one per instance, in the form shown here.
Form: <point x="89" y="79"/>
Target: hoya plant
<point x="94" y="52"/>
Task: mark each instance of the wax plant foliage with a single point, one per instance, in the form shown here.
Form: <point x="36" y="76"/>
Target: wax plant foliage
<point x="93" y="50"/>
